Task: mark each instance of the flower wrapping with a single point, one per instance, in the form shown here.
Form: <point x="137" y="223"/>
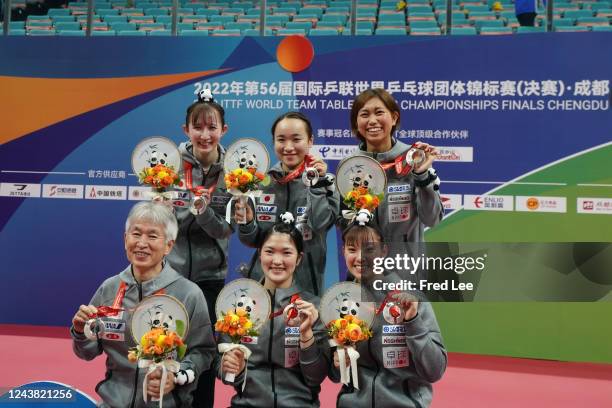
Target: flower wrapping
<point x="345" y="333"/>
<point x="236" y="324"/>
<point x="242" y="183"/>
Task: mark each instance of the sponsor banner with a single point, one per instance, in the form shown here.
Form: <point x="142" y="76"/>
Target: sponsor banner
<point x="456" y="154"/>
<point x="488" y="202"/>
<point x="113" y="336"/>
<point x="333" y="152"/>
<point x="541" y="204"/>
<point x="292" y="331"/>
<point x="105" y="192"/>
<point x="20" y="190"/>
<point x="265" y="209"/>
<point x="266" y="217"/>
<point x="594" y="205"/>
<point x="139" y="193"/>
<point x="402" y="188"/>
<point x="451" y="201"/>
<point x="62" y="191"/>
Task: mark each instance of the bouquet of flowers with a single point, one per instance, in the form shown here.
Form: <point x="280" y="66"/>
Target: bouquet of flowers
<point x="158" y="348"/>
<point x="236" y="325"/>
<point x="158" y="344"/>
<point x="159" y="177"/>
<point x="348" y="330"/>
<point x="362" y="198"/>
<point x="243" y="180"/>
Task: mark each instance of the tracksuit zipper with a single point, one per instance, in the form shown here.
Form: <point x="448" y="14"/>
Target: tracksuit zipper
<point x="137" y="369"/>
<point x="271" y="334"/>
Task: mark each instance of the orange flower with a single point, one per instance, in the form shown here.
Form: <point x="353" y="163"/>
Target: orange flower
<point x="252" y="170"/>
<point x="259" y="175"/>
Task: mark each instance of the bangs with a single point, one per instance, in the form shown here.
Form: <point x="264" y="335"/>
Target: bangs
<point x="205" y="113"/>
<point x="357" y="235"/>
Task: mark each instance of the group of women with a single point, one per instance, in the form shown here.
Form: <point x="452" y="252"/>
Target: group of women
<point x="183" y="254"/>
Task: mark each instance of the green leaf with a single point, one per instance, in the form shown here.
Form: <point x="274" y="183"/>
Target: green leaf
<point x="180" y="351"/>
<point x="180" y="328"/>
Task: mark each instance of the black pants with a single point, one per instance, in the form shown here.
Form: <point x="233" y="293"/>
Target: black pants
<point x="526" y="19"/>
<point x="204" y="395"/>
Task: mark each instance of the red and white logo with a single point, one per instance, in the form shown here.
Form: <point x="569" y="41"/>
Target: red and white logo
<point x="106" y="192"/>
<point x="62" y="191"/>
<point x="456" y="154"/>
<point x="488" y="202"/>
<point x="451" y="201"/>
<point x="594" y="205"/>
<point x="267" y="199"/>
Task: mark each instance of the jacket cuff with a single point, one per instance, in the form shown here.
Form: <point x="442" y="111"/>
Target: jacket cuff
<point x="310" y="354"/>
<point x="247" y="228"/>
<point x="79" y="337"/>
<point x="415" y="326"/>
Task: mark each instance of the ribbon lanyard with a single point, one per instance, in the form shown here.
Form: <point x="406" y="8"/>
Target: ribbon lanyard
<point x="398" y="163"/>
<point x="308" y="159"/>
<point x="198" y="190"/>
<point x="386" y="300"/>
<point x="107" y="311"/>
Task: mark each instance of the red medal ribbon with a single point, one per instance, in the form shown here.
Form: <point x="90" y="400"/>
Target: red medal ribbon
<point x="292" y="301"/>
<point x="114" y="310"/>
<point x="386" y="300"/>
<point x="398" y="163"/>
<point x="308" y="159"/>
<point x="198" y="190"/>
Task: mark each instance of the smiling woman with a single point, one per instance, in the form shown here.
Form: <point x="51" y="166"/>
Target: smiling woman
<point x="286" y="350"/>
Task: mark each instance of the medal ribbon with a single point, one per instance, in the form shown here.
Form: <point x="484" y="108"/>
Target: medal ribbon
<point x="308" y="159"/>
<point x="198" y="190"/>
<point x="105" y="311"/>
<point x="398" y="163"/>
<point x="294" y="298"/>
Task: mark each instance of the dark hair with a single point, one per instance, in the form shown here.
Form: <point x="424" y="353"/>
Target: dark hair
<point x="196" y="109"/>
<point x="356" y="233"/>
<point x="289" y="229"/>
<point x="361" y="99"/>
<point x="293" y="115"/>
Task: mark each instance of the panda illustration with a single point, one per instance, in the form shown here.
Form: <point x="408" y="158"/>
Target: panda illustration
<point x="157" y="158"/>
<point x="361" y="179"/>
<point x="163" y="320"/>
<point x="348" y="307"/>
<point x="247" y="161"/>
<point x="246" y="303"/>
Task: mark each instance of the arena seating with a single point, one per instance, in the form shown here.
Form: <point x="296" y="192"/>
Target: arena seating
<point x="311" y="17"/>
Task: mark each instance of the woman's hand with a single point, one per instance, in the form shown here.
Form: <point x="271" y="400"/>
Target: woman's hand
<point x="308" y="314"/>
<point x="154" y="382"/>
<point x="409" y="304"/>
<point x="431" y="153"/>
<point x="337" y="360"/>
<point x="243" y="213"/>
<point x="82" y="316"/>
<point x="233" y="362"/>
<point x="320" y="165"/>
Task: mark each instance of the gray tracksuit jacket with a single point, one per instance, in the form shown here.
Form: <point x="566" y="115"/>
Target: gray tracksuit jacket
<point x="279" y="373"/>
<point x="122" y="386"/>
<point x="398" y="364"/>
<point x="200" y="250"/>
<point x="405" y="210"/>
<point x="315" y="210"/>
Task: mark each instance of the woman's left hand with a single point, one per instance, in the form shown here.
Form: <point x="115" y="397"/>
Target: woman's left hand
<point x="431" y="153"/>
<point x="154" y="382"/>
<point x="409" y="304"/>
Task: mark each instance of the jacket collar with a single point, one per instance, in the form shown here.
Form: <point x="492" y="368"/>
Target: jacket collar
<point x="389" y="156"/>
<point x="163" y="280"/>
<point x="186" y="150"/>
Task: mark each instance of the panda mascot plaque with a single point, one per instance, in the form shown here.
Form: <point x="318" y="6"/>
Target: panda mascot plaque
<point x="156" y="160"/>
<point x="156" y="317"/>
<point x="348" y="320"/>
<point x="246" y="163"/>
<point x="242" y="307"/>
